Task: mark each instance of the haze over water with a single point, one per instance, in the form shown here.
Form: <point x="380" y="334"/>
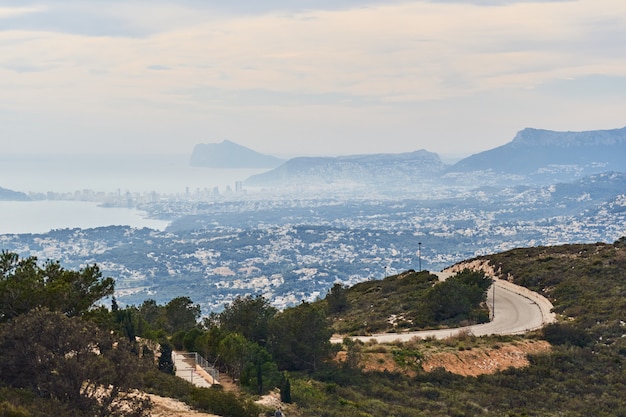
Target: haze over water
<point x="43" y="216"/>
<point x="163" y="174"/>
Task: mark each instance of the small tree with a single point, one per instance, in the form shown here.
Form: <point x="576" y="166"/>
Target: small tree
<point x="300" y="337"/>
<point x="236" y="352"/>
<point x="24" y="285"/>
<point x="248" y="316"/>
<point x="166" y="363"/>
<point x="337" y="298"/>
<point x="70" y="360"/>
<point x="285" y="388"/>
<point x="181" y="314"/>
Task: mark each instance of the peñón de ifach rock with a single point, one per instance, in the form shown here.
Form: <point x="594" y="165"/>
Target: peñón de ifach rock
<point x="228" y="154"/>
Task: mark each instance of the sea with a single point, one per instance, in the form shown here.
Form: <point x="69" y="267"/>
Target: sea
<point x="75" y="174"/>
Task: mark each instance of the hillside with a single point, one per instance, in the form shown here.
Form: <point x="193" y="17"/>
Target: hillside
<point x="214" y="252"/>
<point x="383" y="170"/>
<point x="572" y="368"/>
<point x="540" y="156"/>
<point x="534" y="156"/>
<point x="408" y="301"/>
<point x="227" y="154"/>
<point x="10" y="195"/>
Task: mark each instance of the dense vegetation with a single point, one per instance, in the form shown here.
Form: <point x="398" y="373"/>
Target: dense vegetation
<point x="295" y="249"/>
<point x="262" y="348"/>
<point x="62" y="348"/>
<point x="408" y="301"/>
<point x="62" y="353"/>
<point x="582" y="375"/>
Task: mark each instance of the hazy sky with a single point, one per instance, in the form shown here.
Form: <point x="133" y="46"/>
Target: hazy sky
<point x="305" y="77"/>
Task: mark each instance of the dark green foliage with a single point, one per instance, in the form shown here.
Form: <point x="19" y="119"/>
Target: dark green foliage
<point x="16" y="402"/>
<point x="353" y="355"/>
<point x="152" y="314"/>
<point x="181" y="314"/>
<point x="235" y="351"/>
<point x="586" y="283"/>
<point x="222" y="403"/>
<point x="190" y="338"/>
<point x="210" y="400"/>
<point x="177" y="339"/>
<point x="248" y="316"/>
<point x="208" y="345"/>
<point x="285" y="388"/>
<point x="127" y="323"/>
<point x="566" y="334"/>
<point x="300" y="337"/>
<point x="337" y="298"/>
<point x="457" y="299"/>
<point x="9" y="410"/>
<point x="56" y="346"/>
<point x="25" y="285"/>
<point x="166" y="363"/>
<point x="69" y="360"/>
<point x="415" y="300"/>
<point x="260" y="373"/>
<point x="371" y="303"/>
<point x="583" y="374"/>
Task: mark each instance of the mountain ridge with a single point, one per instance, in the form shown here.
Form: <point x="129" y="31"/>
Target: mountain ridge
<point x="530" y="136"/>
<point x="383" y="169"/>
<point x="540" y="156"/>
<point x="533" y="156"/>
<point x="228" y="154"/>
<point x="10" y="195"/>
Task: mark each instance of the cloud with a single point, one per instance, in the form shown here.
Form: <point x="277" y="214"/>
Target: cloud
<point x="351" y="65"/>
<point x="12" y="12"/>
<point x="586" y="87"/>
<point x="496" y="2"/>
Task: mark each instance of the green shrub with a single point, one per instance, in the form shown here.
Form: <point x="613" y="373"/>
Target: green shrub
<point x="566" y="334"/>
<point x="177" y="339"/>
<point x="223" y="403"/>
<point x="9" y="410"/>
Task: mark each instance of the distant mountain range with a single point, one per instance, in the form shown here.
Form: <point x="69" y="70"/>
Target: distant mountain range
<point x="10" y="195"/>
<point x="379" y="169"/>
<point x="542" y="156"/>
<point x="534" y="156"/>
<point x="228" y="154"/>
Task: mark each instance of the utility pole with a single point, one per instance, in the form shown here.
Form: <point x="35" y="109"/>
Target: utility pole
<point x="419" y="256"/>
<point x="493" y="299"/>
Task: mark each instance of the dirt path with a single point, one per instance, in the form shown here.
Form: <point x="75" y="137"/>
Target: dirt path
<point x="169" y="407"/>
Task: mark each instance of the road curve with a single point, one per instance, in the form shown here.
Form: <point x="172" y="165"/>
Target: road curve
<point x="517" y="310"/>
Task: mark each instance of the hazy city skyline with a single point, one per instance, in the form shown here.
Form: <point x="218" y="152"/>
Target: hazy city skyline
<point x="322" y="78"/>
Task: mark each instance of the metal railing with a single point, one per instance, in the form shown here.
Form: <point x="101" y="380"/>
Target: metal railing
<point x="203" y="363"/>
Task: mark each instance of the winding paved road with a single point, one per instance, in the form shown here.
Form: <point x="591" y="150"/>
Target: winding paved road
<point x="517" y="310"/>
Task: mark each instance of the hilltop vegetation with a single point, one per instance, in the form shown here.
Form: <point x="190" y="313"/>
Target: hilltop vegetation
<point x="263" y="349"/>
<point x="583" y="374"/>
<point x="62" y="353"/>
<point x="409" y="301"/>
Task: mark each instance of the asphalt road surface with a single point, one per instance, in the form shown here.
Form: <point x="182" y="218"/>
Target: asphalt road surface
<point x="517" y="310"/>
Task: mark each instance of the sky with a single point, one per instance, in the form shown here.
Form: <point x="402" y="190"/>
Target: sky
<point x="298" y="78"/>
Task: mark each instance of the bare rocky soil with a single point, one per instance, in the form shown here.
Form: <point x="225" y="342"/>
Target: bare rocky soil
<point x="480" y="361"/>
<point x="467" y="362"/>
<point x="169" y="407"/>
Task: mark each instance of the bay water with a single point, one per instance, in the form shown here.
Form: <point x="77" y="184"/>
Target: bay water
<point x="42" y="174"/>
